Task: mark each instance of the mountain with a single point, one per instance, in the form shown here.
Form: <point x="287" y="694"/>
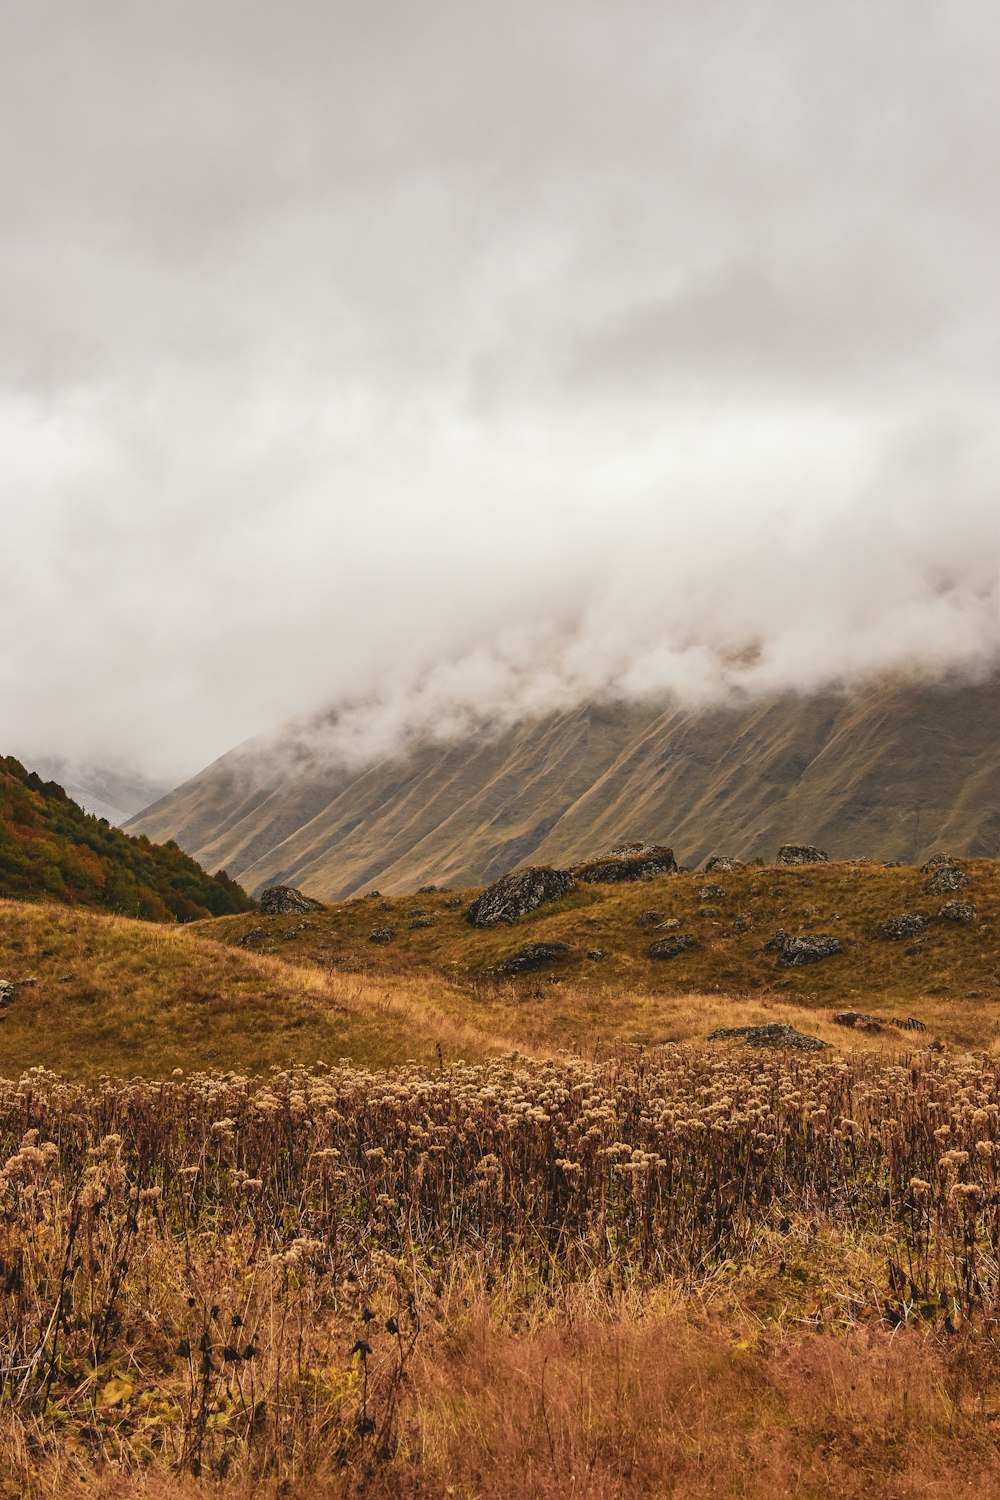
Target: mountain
<point x="51" y="850"/>
<point x="891" y="771"/>
<point x="116" y="793"/>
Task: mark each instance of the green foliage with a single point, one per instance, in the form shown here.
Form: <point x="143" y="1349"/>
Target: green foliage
<point x="51" y="849"/>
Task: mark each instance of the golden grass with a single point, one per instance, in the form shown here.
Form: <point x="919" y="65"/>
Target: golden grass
<point x="339" y="1284"/>
<point x="125" y="997"/>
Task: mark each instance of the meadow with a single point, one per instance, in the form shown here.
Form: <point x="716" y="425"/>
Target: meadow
<point x="513" y="1278"/>
<point x="531" y="1237"/>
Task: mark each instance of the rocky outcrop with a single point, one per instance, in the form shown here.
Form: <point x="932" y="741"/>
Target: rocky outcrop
<point x="517" y="894"/>
<point x="249" y="938"/>
<point x="712" y="892"/>
<point x="801" y="854"/>
<point x="382" y="935"/>
<point x="776" y="942"/>
<point x="532" y="956"/>
<point x="946" y="877"/>
<point x="774" y="1034"/>
<point x="957" y="911"/>
<point x="628" y="862"/>
<point x="648" y="918"/>
<point x="670" y="947"/>
<point x="418" y="922"/>
<point x="721" y="864"/>
<point x="907" y="925"/>
<point x="7" y="992"/>
<point x="279" y="899"/>
<point x="742" y="922"/>
<point x="807" y="949"/>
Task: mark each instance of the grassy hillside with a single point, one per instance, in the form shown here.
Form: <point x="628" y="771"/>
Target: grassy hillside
<point x="51" y="850"/>
<point x="891" y="771"/>
<point x="113" y="995"/>
<point x="949" y="977"/>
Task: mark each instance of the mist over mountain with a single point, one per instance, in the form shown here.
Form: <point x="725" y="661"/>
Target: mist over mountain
<point x="891" y="770"/>
<point x="480" y="363"/>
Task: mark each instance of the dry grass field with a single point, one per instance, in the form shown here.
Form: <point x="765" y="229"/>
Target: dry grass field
<point x="535" y="1238"/>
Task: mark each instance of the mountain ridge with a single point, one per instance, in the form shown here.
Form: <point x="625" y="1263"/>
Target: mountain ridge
<point x="891" y="770"/>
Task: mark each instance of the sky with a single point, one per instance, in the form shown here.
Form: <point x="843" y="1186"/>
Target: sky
<point x="449" y="362"/>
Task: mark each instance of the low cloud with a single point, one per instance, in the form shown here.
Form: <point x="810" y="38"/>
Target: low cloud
<point x="434" y="367"/>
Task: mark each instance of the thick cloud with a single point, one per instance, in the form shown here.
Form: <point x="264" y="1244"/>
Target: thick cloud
<point x="470" y="359"/>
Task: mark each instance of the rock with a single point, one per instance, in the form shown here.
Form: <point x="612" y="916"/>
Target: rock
<point x="742" y="922"/>
<point x="627" y="862"/>
<point x="946" y="878"/>
<point x="517" y="894"/>
<point x="777" y="941"/>
<point x="382" y="935"/>
<point x="596" y="955"/>
<point x="532" y="956"/>
<point x="453" y="903"/>
<point x="7" y="991"/>
<point x="648" y="918"/>
<point x="25" y="984"/>
<point x="774" y="1034"/>
<point x="253" y="936"/>
<point x="670" y="947"/>
<point x="426" y="890"/>
<point x="723" y="863"/>
<point x="957" y="911"/>
<point x="421" y="922"/>
<point x="384" y="906"/>
<point x="670" y="925"/>
<point x="709" y="911"/>
<point x="907" y="925"/>
<point x="712" y="893"/>
<point x="913" y="949"/>
<point x="858" y="1020"/>
<point x="936" y="861"/>
<point x="807" y="949"/>
<point x="279" y="899"/>
<point x="801" y="854"/>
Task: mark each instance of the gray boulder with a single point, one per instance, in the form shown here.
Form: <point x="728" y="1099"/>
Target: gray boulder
<point x="279" y="899"/>
<point x="517" y="894"/>
<point x="907" y="925"/>
<point x="945" y="878"/>
<point x="807" y="949"/>
<point x="801" y="854"/>
<point x="670" y="947"/>
<point x="721" y="864"/>
<point x="532" y="956"/>
<point x="774" y="1034"/>
<point x="628" y="862"/>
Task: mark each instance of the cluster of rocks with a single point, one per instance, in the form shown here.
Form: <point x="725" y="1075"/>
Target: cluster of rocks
<point x="423" y="920"/>
<point x="531" y="956"/>
<point x="805" y="948"/>
<point x="517" y="894"/>
<point x="628" y="862"/>
<point x="382" y="934"/>
<point x="908" y="924"/>
<point x="943" y="875"/>
<point x="957" y="911"/>
<point x="10" y="987"/>
<point x="773" y="1034"/>
<point x="722" y="864"/>
<point x="277" y="900"/>
<point x="712" y="892"/>
<point x="801" y="854"/>
<point x="670" y="947"/>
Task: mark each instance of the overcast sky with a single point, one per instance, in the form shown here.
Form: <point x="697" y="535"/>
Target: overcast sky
<point x="477" y="357"/>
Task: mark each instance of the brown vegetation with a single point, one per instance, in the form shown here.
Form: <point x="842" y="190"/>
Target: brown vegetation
<point x="659" y="1276"/>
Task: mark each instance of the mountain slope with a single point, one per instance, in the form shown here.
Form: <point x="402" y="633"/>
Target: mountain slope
<point x="116" y="793"/>
<point x="891" y="771"/>
<point x="51" y="850"/>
